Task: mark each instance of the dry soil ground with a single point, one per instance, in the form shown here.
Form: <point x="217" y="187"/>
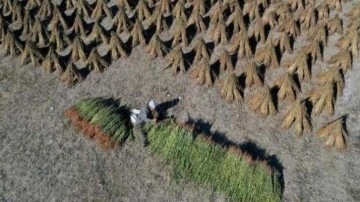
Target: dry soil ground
<point x="43" y="159"/>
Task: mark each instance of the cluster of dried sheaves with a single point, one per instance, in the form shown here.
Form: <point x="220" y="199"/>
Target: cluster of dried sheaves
<point x="252" y="35"/>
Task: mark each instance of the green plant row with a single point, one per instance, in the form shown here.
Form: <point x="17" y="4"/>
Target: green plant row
<point x="196" y="160"/>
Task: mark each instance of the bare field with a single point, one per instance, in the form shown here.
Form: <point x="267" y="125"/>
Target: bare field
<point x="43" y="159"/>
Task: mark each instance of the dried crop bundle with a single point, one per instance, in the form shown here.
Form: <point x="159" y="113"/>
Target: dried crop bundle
<point x="218" y="34"/>
<point x="283" y="41"/>
<point x="179" y="34"/>
<point x="288" y="89"/>
<point x="297" y="114"/>
<point x="165" y="7"/>
<point x="77" y="50"/>
<point x="11" y="44"/>
<point x="334" y="76"/>
<point x="179" y="10"/>
<point x="78" y="25"/>
<point x="121" y="22"/>
<point x="45" y="10"/>
<point x="350" y="41"/>
<point x="266" y="55"/>
<point x="240" y="44"/>
<point x="262" y="102"/>
<point x="252" y="9"/>
<point x="334" y="25"/>
<point x="236" y="19"/>
<point x="308" y="18"/>
<point x="322" y="11"/>
<point x="299" y="65"/>
<point x="201" y="72"/>
<point x="201" y="51"/>
<point x="71" y="75"/>
<point x="137" y="34"/>
<point x="230" y="88"/>
<point x="323" y="98"/>
<point x="30" y="53"/>
<point x="175" y="60"/>
<point x="97" y="33"/>
<point x="289" y="26"/>
<point x="225" y="61"/>
<point x="96" y="62"/>
<point x="313" y="50"/>
<point x="335" y="133"/>
<point x="100" y="9"/>
<point x="341" y="59"/>
<point x="257" y="30"/>
<point x="156" y="47"/>
<point x="251" y="72"/>
<point x="52" y="62"/>
<point x="317" y="34"/>
<point x="116" y="47"/>
<point x="334" y="5"/>
<point x="142" y="10"/>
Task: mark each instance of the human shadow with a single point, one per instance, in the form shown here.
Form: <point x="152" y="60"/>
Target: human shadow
<point x="162" y="108"/>
<point x="249" y="147"/>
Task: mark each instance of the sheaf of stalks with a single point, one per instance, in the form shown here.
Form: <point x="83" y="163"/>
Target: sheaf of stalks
<point x="175" y="60"/>
<point x="116" y="47"/>
<point x="313" y="49"/>
<point x="262" y="102"/>
<point x="236" y="19"/>
<point x="142" y="10"/>
<point x="335" y="133"/>
<point x="288" y="89"/>
<point x="299" y="65"/>
<point x="201" y="72"/>
<point x="240" y="44"/>
<point x="156" y="47"/>
<point x="30" y="53"/>
<point x="201" y="50"/>
<point x="95" y="62"/>
<point x="230" y="88"/>
<point x="71" y="75"/>
<point x="334" y="25"/>
<point x="121" y="22"/>
<point x="137" y="34"/>
<point x="257" y="30"/>
<point x="333" y="75"/>
<point x="297" y="116"/>
<point x="342" y="60"/>
<point x="100" y="9"/>
<point x="251" y="72"/>
<point x="266" y="55"/>
<point x="179" y="34"/>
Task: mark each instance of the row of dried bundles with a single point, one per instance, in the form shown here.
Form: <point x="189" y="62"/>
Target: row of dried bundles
<point x="98" y="34"/>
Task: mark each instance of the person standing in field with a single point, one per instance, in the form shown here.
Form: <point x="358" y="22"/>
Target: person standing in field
<point x="138" y="118"/>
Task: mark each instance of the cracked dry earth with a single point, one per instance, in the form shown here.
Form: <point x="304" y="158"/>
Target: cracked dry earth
<point x="43" y="159"/>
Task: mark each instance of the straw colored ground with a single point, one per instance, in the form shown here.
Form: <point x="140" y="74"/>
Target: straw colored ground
<point x="42" y="158"/>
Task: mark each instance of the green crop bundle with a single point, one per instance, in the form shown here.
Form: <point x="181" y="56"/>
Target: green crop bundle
<point x="100" y="119"/>
<point x="206" y="163"/>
